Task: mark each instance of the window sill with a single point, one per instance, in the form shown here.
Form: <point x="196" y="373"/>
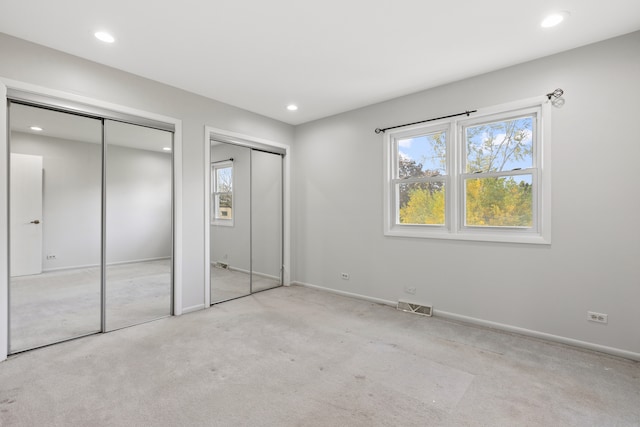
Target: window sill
<point x="444" y="234"/>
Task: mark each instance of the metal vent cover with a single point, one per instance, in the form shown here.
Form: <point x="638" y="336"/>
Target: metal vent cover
<point x="219" y="264"/>
<point x="409" y="307"/>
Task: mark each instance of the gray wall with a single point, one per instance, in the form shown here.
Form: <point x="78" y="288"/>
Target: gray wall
<point x="31" y="63"/>
<point x="592" y="263"/>
<point x="138" y="204"/>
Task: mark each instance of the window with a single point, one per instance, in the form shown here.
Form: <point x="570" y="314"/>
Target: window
<point x="483" y="177"/>
<point x="222" y="193"/>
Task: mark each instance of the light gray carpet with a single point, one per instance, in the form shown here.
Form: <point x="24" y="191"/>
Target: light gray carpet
<point x="228" y="284"/>
<point x="59" y="305"/>
<point x="294" y="356"/>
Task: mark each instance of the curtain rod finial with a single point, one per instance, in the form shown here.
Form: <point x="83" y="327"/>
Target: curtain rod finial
<point x="556" y="94"/>
<point x="378" y="130"/>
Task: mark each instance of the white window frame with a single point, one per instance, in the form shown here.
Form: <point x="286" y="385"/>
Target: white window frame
<point x="227" y="222"/>
<point x="454" y="227"/>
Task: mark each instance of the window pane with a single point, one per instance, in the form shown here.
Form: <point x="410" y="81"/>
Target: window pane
<point x="499" y="202"/>
<point x="500" y="146"/>
<point x="421" y="203"/>
<point x="223" y="180"/>
<point x="422" y="155"/>
<point x="223" y="206"/>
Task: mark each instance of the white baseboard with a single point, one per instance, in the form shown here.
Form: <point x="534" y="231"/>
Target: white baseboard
<point x="494" y="325"/>
<point x="241" y="270"/>
<point x="76" y="267"/>
<point x="266" y="276"/>
<point x="540" y="335"/>
<point x="193" y="308"/>
<point x="139" y="260"/>
<point x="347" y="294"/>
<point x="72" y="267"/>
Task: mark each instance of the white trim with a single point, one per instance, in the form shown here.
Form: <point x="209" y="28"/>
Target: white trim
<point x="347" y="294"/>
<point x="540" y="335"/>
<point x="4" y="227"/>
<point x="193" y="308"/>
<point x="207" y="217"/>
<point x="177" y="218"/>
<point x="177" y="196"/>
<point x="209" y="133"/>
<point x="255" y="273"/>
<point x="494" y="325"/>
<point x="78" y="267"/>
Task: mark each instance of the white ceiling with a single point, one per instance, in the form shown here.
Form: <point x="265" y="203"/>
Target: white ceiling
<point x="327" y="56"/>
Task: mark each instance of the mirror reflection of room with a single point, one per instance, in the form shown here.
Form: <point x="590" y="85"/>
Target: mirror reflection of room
<point x="246" y="221"/>
<point x="55" y="226"/>
<point x="56" y="235"/>
<point x="138" y="224"/>
<point x="230" y="233"/>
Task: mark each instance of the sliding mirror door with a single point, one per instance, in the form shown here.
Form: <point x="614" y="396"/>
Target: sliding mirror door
<point x="55" y="199"/>
<point x="138" y="212"/>
<point x="266" y="220"/>
<point x="230" y="221"/>
<point x="246" y="221"/>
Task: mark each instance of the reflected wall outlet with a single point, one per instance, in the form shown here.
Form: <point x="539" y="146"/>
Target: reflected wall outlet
<point x="597" y="317"/>
<point x="344" y="276"/>
<point x="410" y="290"/>
<point x="51" y="256"/>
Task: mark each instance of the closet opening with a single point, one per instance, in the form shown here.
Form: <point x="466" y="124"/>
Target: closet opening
<point x="91" y="221"/>
<point x="246" y="219"/>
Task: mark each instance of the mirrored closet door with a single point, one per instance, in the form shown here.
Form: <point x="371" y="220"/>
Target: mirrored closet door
<point x="266" y="220"/>
<point x="138" y="231"/>
<point x="90" y="224"/>
<point x="230" y="221"/>
<point x="246" y="221"/>
<point x="55" y="209"/>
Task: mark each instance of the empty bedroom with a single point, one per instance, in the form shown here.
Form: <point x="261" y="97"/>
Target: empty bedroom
<point x="241" y="213"/>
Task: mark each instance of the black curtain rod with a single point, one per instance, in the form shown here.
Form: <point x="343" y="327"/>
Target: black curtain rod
<point x="557" y="101"/>
<point x="378" y="130"/>
<point x="225" y="160"/>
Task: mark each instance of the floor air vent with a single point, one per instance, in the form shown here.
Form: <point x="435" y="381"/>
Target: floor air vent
<point x="409" y="307"/>
<point x="221" y="265"/>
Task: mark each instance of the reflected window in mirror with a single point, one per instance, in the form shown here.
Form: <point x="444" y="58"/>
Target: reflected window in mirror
<point x="222" y="193"/>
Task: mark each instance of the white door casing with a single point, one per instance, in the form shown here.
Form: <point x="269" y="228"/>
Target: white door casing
<point x="25" y="215"/>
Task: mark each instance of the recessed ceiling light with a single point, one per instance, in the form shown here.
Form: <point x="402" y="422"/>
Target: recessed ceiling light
<point x="36" y="128"/>
<point x="553" y="19"/>
<point x="166" y="148"/>
<point x="104" y="37"/>
<point x="292" y="107"/>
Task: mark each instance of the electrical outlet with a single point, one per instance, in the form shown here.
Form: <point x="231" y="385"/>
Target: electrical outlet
<point x="344" y="276"/>
<point x="51" y="257"/>
<point x="410" y="290"/>
<point x="597" y="317"/>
